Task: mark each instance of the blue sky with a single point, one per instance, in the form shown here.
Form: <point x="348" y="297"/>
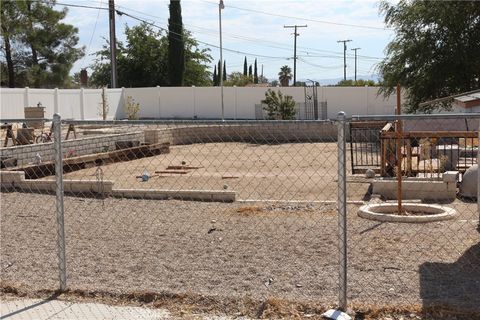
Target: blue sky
<point x="256" y="28"/>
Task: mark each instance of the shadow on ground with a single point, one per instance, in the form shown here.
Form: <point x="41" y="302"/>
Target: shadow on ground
<point x="453" y="286"/>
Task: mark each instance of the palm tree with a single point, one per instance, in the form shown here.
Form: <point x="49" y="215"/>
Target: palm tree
<point x="285" y="75"/>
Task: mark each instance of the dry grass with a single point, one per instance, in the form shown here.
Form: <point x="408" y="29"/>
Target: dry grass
<point x="249" y="210"/>
<point x="188" y="305"/>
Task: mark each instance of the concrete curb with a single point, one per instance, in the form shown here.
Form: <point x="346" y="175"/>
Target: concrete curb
<point x="197" y="195"/>
<point x="438" y="213"/>
<point x="16" y="179"/>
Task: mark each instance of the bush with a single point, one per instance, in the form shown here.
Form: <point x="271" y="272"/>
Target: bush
<point x="278" y="106"/>
<point x="132" y="108"/>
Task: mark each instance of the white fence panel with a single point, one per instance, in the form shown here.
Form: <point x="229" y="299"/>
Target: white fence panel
<point x="116" y="103"/>
<point x="46" y="97"/>
<point x="176" y="102"/>
<point x="12" y="103"/>
<point x="186" y="102"/>
<point x="246" y="100"/>
<point x="69" y="103"/>
<point x="209" y="103"/>
<point x="91" y="101"/>
<point x="148" y="98"/>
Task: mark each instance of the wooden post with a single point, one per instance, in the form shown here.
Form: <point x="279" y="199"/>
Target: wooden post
<point x="399" y="153"/>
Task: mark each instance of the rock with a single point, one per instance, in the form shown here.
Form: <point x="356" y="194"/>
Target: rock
<point x="369" y="174"/>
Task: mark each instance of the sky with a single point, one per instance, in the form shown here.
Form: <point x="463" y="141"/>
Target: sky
<point x="255" y="29"/>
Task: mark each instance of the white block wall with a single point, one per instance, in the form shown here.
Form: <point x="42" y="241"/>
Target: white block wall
<point x="184" y="102"/>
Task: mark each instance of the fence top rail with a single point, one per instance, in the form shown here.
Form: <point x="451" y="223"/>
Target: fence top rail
<point x="473" y="115"/>
<point x="185" y="121"/>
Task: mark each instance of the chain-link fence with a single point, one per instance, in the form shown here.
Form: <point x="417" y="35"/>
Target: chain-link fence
<point x="256" y="219"/>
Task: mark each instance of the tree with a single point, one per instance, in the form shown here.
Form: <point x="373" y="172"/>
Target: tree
<point x="9" y="29"/>
<point x="237" y="79"/>
<point x="279" y="106"/>
<point x="224" y="75"/>
<point x="285" y="75"/>
<point x="255" y="73"/>
<point x="196" y="63"/>
<point x="263" y="79"/>
<point x="245" y="67"/>
<point x="435" y="52"/>
<point x="273" y="83"/>
<point x="176" y="46"/>
<point x="143" y="60"/>
<point x="250" y="71"/>
<point x="353" y="83"/>
<point x="39" y="49"/>
<point x="215" y="77"/>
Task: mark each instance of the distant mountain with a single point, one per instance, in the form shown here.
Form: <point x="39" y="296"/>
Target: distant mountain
<point x="329" y="82"/>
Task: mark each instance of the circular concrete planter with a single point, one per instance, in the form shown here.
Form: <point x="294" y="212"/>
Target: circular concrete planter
<point x="421" y="213"/>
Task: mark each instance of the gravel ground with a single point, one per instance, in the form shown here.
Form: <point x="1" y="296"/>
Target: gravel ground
<point x="300" y="171"/>
<point x="225" y="251"/>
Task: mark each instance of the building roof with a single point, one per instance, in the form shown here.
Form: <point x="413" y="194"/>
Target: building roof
<point x="468" y="100"/>
<point x="469" y="97"/>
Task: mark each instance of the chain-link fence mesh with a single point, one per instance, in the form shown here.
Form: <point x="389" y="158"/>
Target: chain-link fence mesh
<point x="427" y="257"/>
<point x="245" y="218"/>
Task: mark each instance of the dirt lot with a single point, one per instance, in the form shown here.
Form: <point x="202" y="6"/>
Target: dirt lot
<point x="293" y="171"/>
<point x="228" y="254"/>
<point x="236" y="251"/>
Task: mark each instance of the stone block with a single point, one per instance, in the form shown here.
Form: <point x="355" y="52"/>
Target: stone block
<point x="450" y="177"/>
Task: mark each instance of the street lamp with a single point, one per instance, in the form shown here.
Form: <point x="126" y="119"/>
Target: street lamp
<point x="220" y="7"/>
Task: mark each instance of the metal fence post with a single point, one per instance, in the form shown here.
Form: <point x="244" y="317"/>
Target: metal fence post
<point x="57" y="143"/>
<point x="478" y="179"/>
<point x="342" y="211"/>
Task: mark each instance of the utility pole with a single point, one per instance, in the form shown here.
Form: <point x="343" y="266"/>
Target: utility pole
<point x="113" y="43"/>
<point x="344" y="57"/>
<point x="355" y="49"/>
<point x="295" y="51"/>
<point x="221" y="6"/>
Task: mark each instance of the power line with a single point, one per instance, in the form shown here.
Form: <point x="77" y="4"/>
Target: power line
<point x="260" y="41"/>
<point x="91" y="38"/>
<point x="306" y="19"/>
<point x="119" y="12"/>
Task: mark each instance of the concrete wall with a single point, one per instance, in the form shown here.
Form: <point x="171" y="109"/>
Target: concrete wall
<point x="184" y="102"/>
<point x="25" y="154"/>
<point x="262" y="132"/>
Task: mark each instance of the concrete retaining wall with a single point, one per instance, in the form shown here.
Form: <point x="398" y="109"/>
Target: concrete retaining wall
<point x="267" y="132"/>
<point x="16" y="180"/>
<point x="257" y="133"/>
<point x="26" y="153"/>
<point x="416" y="189"/>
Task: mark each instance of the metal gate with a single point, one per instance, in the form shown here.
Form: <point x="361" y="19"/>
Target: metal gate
<point x="365" y="151"/>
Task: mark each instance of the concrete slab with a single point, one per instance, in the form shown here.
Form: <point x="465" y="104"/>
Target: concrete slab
<point x="38" y="309"/>
<point x="62" y="310"/>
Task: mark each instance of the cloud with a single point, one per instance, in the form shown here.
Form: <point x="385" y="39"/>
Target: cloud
<point x="260" y="34"/>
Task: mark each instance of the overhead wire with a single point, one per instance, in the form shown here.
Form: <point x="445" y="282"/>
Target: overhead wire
<point x="304" y="19"/>
<point x="91" y="38"/>
<point x="120" y="12"/>
<point x="333" y="54"/>
<point x="262" y="42"/>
